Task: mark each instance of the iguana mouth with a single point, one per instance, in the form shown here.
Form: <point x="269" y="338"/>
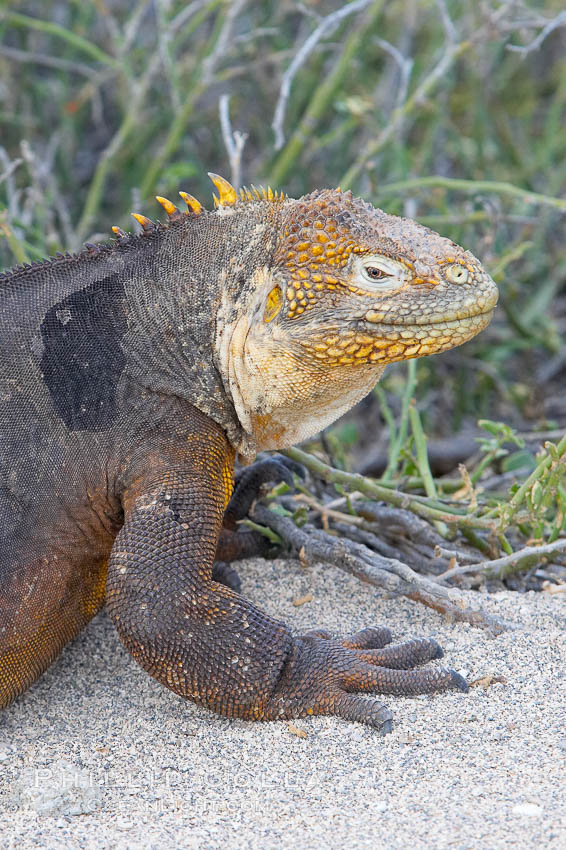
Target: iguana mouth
<point x="397" y="343"/>
<point x="454" y="320"/>
<point x="439" y="319"/>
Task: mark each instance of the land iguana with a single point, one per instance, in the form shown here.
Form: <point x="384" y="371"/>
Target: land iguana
<point x="132" y="373"/>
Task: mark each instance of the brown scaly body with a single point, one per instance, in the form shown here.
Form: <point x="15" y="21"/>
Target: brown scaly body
<point x="132" y="374"/>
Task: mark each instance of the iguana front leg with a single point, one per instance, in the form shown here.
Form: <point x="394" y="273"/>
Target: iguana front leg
<point x="205" y="642"/>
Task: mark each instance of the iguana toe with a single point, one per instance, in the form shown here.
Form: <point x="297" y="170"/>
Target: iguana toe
<point x="323" y="676"/>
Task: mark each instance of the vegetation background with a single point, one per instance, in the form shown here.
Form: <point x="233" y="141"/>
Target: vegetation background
<point x="448" y="111"/>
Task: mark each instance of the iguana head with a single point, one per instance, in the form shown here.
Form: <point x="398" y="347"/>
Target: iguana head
<point x="346" y="290"/>
<point x="314" y="298"/>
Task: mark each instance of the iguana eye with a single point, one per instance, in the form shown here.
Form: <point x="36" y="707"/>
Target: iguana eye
<point x="378" y="273"/>
<point x="374" y="273"/>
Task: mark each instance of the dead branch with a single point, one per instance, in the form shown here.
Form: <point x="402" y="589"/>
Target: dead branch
<point x="387" y="573"/>
<point x="326" y="26"/>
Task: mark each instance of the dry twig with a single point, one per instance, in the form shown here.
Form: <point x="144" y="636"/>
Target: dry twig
<point x="387" y="573"/>
<point x="325" y="27"/>
<point x="234" y="141"/>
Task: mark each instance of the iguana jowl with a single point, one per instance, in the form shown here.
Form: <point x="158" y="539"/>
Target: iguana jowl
<point x="130" y="376"/>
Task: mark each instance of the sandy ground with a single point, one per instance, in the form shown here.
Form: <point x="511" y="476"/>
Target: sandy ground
<point x="97" y="754"/>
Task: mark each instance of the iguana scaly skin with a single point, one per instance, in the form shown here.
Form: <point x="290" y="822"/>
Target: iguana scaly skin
<point x="130" y="376"/>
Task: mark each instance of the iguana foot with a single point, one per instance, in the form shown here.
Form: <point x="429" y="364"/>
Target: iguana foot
<point x="250" y="479"/>
<point x="234" y="545"/>
<point x="322" y="675"/>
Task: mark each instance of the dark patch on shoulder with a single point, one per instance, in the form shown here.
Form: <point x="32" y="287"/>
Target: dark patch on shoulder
<point x="82" y="358"/>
